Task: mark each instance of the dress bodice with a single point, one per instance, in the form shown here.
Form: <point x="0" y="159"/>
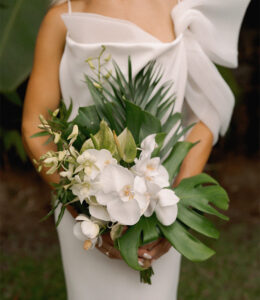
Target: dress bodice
<point x="206" y="34"/>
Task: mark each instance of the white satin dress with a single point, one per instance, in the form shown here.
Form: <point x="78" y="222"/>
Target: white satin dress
<point x="206" y="34"/>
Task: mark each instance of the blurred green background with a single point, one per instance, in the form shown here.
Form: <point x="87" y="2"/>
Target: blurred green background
<point x="29" y="253"/>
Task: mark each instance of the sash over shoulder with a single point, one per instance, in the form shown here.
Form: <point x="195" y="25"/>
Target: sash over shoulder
<point x="210" y="31"/>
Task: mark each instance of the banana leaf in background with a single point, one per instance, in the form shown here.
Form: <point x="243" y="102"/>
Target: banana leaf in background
<point x="19" y="24"/>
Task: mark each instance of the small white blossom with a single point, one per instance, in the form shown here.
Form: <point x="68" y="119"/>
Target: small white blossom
<point x="148" y="145"/>
<point x="94" y="161"/>
<point x="74" y="134"/>
<point x="152" y="170"/>
<point x="85" y="229"/>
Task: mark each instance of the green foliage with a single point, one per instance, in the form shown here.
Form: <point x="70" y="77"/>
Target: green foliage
<point x="191" y="191"/>
<point x="20" y="20"/>
<point x="12" y="139"/>
<point x="123" y="109"/>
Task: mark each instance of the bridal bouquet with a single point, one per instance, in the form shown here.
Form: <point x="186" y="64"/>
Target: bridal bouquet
<point x="117" y="160"/>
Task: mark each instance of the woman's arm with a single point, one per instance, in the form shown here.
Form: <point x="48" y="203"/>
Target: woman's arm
<point x="43" y="91"/>
<point x="197" y="157"/>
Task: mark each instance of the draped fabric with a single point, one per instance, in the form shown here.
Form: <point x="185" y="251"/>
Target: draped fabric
<point x="211" y="30"/>
<point x="206" y="34"/>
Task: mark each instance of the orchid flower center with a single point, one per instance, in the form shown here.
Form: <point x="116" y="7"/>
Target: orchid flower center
<point x="127" y="193"/>
<point x="150" y="167"/>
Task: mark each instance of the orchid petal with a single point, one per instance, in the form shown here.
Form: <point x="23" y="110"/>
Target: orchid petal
<point x="78" y="232"/>
<point x="166" y="215"/>
<point x="167" y="197"/>
<point x="139" y="185"/>
<point x="143" y="201"/>
<point x="151" y="207"/>
<point x="126" y="213"/>
<point x="90" y="229"/>
<point x="82" y="217"/>
<point x="115" y="177"/>
<point x="103" y="198"/>
<point x="99" y="212"/>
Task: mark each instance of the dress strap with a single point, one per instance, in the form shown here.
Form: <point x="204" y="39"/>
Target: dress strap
<point x="69" y="7"/>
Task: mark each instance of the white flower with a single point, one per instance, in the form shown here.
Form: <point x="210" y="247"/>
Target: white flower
<point x="57" y="136"/>
<point x="152" y="170"/>
<point x="148" y="145"/>
<point x="68" y="173"/>
<point x="85" y="229"/>
<point x="93" y="161"/>
<point x="164" y="203"/>
<point x="52" y="163"/>
<point x="83" y="188"/>
<point x="55" y="113"/>
<point x="124" y="194"/>
<point x="74" y="134"/>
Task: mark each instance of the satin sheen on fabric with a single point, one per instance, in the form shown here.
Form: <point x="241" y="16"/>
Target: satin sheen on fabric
<point x="206" y="34"/>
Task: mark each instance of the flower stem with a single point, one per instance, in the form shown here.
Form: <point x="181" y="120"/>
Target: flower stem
<point x="145" y="275"/>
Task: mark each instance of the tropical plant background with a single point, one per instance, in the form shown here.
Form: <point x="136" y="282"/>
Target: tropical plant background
<point x="29" y="253"/>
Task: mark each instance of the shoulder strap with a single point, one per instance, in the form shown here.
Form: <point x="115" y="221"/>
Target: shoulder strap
<point x="69" y="7"/>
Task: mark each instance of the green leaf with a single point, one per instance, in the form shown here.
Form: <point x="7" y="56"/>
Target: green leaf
<point x="216" y="195"/>
<point x="174" y="139"/>
<point x="159" y="139"/>
<point x="128" y="245"/>
<point x="39" y="134"/>
<point x="126" y="146"/>
<point x="87" y="120"/>
<point x="61" y="214"/>
<point x="64" y="111"/>
<point x="175" y="158"/>
<point x="14" y="97"/>
<point x="152" y="105"/>
<point x="20" y="20"/>
<point x="186" y="243"/>
<point x="12" y="138"/>
<point x="194" y="193"/>
<point x="144" y="231"/>
<point x="197" y="222"/>
<point x="171" y="122"/>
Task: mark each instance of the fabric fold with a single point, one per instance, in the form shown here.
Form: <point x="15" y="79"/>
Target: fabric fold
<point x="211" y="30"/>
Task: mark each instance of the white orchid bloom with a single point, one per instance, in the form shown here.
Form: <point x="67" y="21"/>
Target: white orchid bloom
<point x="148" y="145"/>
<point x="93" y="161"/>
<point x="152" y="171"/>
<point x="124" y="194"/>
<point x="83" y="189"/>
<point x="85" y="229"/>
<point x="164" y="204"/>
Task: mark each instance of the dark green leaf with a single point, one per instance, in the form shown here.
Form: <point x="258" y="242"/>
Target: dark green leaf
<point x="196" y="221"/>
<point x="39" y="134"/>
<point x="186" y="243"/>
<point x="175" y="158"/>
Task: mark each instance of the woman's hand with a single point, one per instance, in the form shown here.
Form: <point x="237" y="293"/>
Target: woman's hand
<point x="108" y="248"/>
<point x="153" y="251"/>
<point x="146" y="253"/>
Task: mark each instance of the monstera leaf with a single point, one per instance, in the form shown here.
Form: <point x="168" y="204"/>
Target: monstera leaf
<point x="197" y="194"/>
<point x="19" y="23"/>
